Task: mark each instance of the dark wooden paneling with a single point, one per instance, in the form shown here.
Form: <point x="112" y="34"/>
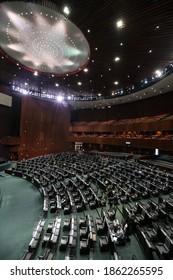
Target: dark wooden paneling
<point x="148" y="107"/>
<point x="150" y="126"/>
<point x="9" y="122"/>
<point x="10" y="141"/>
<point x="165" y="145"/>
<point x="10" y="118"/>
<point x="44" y="127"/>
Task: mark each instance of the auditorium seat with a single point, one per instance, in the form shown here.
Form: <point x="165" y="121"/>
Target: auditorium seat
<point x="152" y="232"/>
<point x="27" y="256"/>
<point x="46" y="239"/>
<point x="84" y="246"/>
<point x="165" y="250"/>
<point x="67" y="210"/>
<point x="50" y="227"/>
<point x="103" y="203"/>
<point x="63" y="243"/>
<point x="33" y="245"/>
<point x="112" y="213"/>
<point x="83" y="232"/>
<point x="92" y="204"/>
<point x="79" y="207"/>
<point x="145" y="242"/>
<point x="100" y="228"/>
<point x="53" y="208"/>
<point x="103" y="243"/>
<point x="82" y="222"/>
<point x="53" y="241"/>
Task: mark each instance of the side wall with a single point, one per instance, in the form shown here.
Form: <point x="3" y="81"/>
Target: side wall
<point x="9" y="122"/>
<point x="32" y="127"/>
<point x="152" y="106"/>
<point x="44" y="127"/>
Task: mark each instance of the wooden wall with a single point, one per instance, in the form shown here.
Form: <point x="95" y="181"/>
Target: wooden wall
<point x="44" y="127"/>
<point x="151" y="144"/>
<point x="148" y="107"/>
<point x="158" y="105"/>
<point x="9" y="122"/>
<point x="32" y="127"/>
<point x="145" y="126"/>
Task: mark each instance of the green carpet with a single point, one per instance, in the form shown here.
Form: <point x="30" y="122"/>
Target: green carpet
<point x="20" y="208"/>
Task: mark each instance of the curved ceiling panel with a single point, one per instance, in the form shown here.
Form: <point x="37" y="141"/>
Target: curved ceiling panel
<point x="41" y="39"/>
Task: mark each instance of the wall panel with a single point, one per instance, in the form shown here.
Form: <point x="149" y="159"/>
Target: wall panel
<point x="157" y="105"/>
<point x="165" y="145"/>
<point x="43" y="128"/>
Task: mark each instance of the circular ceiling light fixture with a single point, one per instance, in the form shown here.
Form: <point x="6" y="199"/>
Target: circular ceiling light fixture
<point x="41" y="39"/>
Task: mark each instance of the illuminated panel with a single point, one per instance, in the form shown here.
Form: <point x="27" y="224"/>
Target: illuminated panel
<point x="5" y="100"/>
<point x="40" y="39"/>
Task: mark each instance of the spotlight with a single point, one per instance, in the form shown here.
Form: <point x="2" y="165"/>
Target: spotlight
<point x="158" y="73"/>
<point x="117" y="58"/>
<point x="60" y="98"/>
<point x="120" y="24"/>
<point x="116" y="83"/>
<point x="66" y="10"/>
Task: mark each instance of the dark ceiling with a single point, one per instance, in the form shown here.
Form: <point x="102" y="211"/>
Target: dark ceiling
<point x="144" y="44"/>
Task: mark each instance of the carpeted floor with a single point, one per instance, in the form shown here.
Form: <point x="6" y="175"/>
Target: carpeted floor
<point x="20" y="210"/>
<point x="21" y="206"/>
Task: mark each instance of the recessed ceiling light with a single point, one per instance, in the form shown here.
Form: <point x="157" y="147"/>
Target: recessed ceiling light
<point x="117" y="58"/>
<point x="66" y="10"/>
<point x="85" y="70"/>
<point x="150" y="51"/>
<point x="158" y="73"/>
<point x="120" y="24"/>
<point x="116" y="83"/>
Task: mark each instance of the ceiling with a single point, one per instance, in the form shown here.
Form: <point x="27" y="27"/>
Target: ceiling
<point x="143" y="44"/>
<point x="42" y="40"/>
